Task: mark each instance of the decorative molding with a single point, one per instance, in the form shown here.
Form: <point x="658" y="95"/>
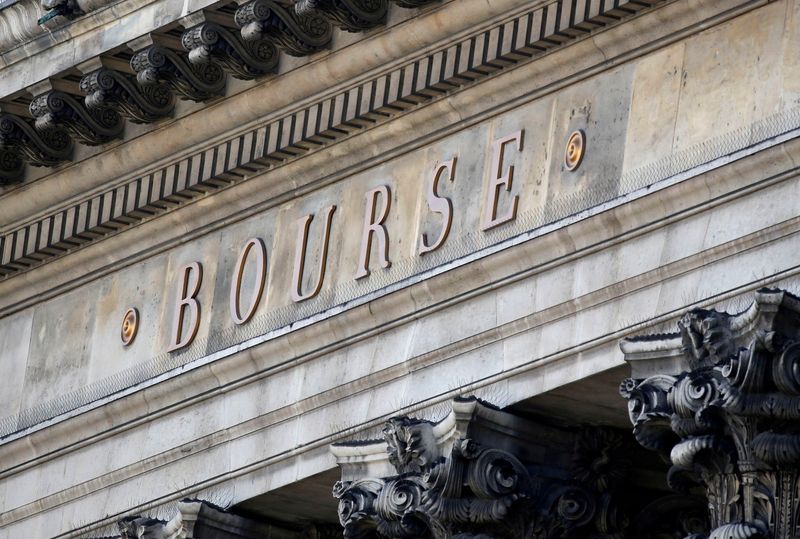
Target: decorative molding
<point x="413" y="4"/>
<point x="45" y="149"/>
<point x="11" y="167"/>
<point x="197" y="519"/>
<point x="298" y="35"/>
<point x="727" y="417"/>
<point x="55" y="110"/>
<point x="375" y="100"/>
<point x="109" y="89"/>
<point x="157" y="64"/>
<point x="209" y="42"/>
<point x="486" y="478"/>
<point x="349" y="15"/>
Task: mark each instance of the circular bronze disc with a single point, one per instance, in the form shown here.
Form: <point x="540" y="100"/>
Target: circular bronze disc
<point x="576" y="146"/>
<point x="130" y="323"/>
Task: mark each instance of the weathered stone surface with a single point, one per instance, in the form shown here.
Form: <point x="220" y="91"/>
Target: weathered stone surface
<point x="515" y="311"/>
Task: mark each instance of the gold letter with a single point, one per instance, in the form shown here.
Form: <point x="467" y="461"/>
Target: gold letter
<point x="300" y="256"/>
<point x="238" y="273"/>
<point x="440" y="205"/>
<point x="186" y="299"/>
<point x="490" y="219"/>
<point x="371" y="224"/>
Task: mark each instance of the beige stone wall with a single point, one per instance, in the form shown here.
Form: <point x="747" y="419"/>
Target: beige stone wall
<point x="520" y="310"/>
<point x="663" y="104"/>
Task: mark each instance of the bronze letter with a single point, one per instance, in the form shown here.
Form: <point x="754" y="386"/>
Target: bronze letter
<point x="238" y="273"/>
<point x="374" y="225"/>
<point x="441" y="205"/>
<point x="490" y="219"/>
<point x="186" y="299"/>
<point x="300" y="256"/>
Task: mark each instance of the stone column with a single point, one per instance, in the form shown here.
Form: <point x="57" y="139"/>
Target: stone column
<point x="720" y="400"/>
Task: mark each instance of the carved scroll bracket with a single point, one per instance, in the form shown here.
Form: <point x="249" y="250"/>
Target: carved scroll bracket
<point x="296" y="34"/>
<point x="210" y="42"/>
<point x="349" y="15"/>
<point x="157" y="64"/>
<point x="49" y="148"/>
<point x="55" y="109"/>
<point x="109" y="89"/>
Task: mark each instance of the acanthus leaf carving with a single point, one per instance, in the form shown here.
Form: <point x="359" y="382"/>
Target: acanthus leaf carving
<point x="11" y="167"/>
<point x="349" y="15"/>
<point x="413" y="4"/>
<point x="45" y="149"/>
<point x="474" y="490"/>
<point x="210" y="42"/>
<point x="157" y="64"/>
<point x="297" y="34"/>
<point x="55" y="109"/>
<point x="734" y="415"/>
<point x="109" y="89"/>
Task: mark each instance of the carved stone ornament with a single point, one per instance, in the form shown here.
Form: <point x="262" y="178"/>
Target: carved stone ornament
<point x="65" y="8"/>
<point x="411" y="4"/>
<point x="56" y="109"/>
<point x="298" y="35"/>
<point x="195" y="519"/>
<point x="728" y="417"/>
<point x="349" y="15"/>
<point x="109" y="89"/>
<point x="448" y="484"/>
<point x="42" y="150"/>
<point x="209" y="42"/>
<point x="11" y="167"/>
<point x="157" y="64"/>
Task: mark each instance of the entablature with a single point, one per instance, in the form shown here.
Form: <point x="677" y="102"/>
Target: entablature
<point x="91" y="107"/>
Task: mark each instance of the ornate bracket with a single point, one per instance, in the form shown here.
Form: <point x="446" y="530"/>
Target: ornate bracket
<point x="42" y="150"/>
<point x="298" y="35"/>
<point x="209" y="42"/>
<point x="157" y="64"/>
<point x="412" y="4"/>
<point x="56" y="109"/>
<point x="349" y="15"/>
<point x="11" y="167"/>
<point x="729" y="417"/>
<point x="108" y="89"/>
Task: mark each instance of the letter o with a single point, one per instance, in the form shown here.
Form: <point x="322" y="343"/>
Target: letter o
<point x="261" y="277"/>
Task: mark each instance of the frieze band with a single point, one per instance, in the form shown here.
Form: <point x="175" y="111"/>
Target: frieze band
<point x="374" y="101"/>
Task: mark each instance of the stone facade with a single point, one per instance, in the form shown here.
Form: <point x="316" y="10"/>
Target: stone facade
<point x="361" y="268"/>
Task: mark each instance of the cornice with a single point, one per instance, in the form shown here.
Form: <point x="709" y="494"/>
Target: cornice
<point x="373" y="101"/>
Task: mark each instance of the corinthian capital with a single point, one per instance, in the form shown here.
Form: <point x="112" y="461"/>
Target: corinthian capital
<point x="725" y="410"/>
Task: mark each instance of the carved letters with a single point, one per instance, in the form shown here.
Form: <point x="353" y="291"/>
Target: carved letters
<point x="184" y="331"/>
